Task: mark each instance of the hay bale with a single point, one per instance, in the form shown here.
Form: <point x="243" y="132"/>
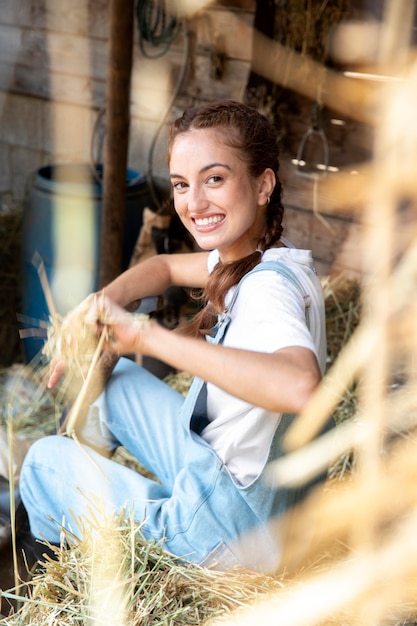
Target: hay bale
<point x="26" y="401"/>
<point x="342" y="297"/>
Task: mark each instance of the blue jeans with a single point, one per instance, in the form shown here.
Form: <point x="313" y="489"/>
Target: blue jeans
<point x="196" y="507"/>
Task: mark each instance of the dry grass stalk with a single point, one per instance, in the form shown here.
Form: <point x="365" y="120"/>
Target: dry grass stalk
<point x="93" y="376"/>
<point x="180" y="381"/>
<point x="342" y="298"/>
<point x="370" y="583"/>
<point x="305" y="26"/>
<point x="10" y="438"/>
<point x="26" y="400"/>
<point x="144" y="586"/>
<point x="74" y="342"/>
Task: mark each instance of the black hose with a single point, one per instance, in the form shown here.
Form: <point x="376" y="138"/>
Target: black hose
<point x="154" y="27"/>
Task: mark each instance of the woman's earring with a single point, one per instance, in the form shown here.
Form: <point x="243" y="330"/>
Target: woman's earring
<point x="269" y="200"/>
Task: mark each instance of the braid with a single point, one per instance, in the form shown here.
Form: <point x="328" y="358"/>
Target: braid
<point x="220" y="281"/>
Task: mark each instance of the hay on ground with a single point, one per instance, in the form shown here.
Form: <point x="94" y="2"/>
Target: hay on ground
<point x="114" y="576"/>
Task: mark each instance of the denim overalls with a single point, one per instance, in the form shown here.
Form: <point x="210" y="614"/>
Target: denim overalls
<point x="195" y="506"/>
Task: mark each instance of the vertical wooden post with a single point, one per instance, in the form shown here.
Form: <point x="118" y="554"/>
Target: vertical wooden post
<point x="258" y="87"/>
<point x="119" y="68"/>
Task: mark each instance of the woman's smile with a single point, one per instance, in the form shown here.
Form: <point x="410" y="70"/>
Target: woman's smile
<point x="204" y="223"/>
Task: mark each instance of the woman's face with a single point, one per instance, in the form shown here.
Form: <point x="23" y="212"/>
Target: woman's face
<point x="216" y="199"/>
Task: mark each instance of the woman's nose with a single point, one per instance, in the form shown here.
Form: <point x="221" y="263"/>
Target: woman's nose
<point x="197" y="200"/>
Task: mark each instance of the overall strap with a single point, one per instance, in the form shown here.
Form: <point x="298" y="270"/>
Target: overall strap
<point x="197" y="395"/>
<point x="284" y="270"/>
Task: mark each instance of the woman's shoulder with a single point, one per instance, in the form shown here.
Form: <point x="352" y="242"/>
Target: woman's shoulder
<point x="290" y="256"/>
<point x="287" y="254"/>
<point x="299" y="262"/>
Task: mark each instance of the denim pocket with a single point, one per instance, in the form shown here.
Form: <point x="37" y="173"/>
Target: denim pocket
<point x="221" y="558"/>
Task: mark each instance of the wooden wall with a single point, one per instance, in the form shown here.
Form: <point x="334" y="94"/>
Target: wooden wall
<point x="323" y="212"/>
<point x="53" y="64"/>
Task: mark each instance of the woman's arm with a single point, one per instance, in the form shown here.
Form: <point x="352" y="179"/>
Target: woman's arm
<point x="149" y="278"/>
<point x="281" y="382"/>
<point x="153" y="276"/>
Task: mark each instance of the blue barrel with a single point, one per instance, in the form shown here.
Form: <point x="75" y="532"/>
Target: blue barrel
<point x="61" y="229"/>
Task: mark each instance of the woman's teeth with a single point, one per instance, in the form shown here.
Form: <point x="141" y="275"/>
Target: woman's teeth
<point x="209" y="221"/>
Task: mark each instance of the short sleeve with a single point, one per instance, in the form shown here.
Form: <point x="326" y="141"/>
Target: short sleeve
<point x="269" y="314"/>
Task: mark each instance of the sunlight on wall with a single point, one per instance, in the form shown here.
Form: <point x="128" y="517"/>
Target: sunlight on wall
<point x="75" y="240"/>
<point x="74" y="225"/>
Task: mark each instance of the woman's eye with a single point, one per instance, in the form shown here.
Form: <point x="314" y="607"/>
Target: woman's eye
<point x="215" y="179"/>
<point x="179" y="186"/>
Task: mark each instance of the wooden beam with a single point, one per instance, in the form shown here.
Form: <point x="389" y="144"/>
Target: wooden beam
<point x="121" y="21"/>
<point x="258" y="87"/>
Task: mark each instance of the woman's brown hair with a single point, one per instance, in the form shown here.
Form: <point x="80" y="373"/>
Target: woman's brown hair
<point x="252" y="134"/>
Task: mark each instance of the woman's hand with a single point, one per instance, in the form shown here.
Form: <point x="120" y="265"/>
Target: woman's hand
<point x="123" y="331"/>
<point x="64" y="339"/>
<point x="73" y="342"/>
<point x="56" y="369"/>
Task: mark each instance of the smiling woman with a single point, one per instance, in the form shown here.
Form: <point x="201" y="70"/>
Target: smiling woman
<point x="256" y="351"/>
<point x="214" y="196"/>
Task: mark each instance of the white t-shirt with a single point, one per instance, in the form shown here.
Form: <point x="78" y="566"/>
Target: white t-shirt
<point x="269" y="314"/>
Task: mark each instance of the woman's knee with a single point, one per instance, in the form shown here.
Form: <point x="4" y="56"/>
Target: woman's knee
<point x="127" y="369"/>
<point x="39" y="451"/>
<point x="42" y="455"/>
<point x="35" y="476"/>
<point x="132" y="390"/>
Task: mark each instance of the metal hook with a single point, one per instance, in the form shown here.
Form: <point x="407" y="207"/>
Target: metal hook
<point x="315" y="130"/>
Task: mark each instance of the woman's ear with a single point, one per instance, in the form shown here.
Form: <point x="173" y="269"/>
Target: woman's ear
<point x="266" y="187"/>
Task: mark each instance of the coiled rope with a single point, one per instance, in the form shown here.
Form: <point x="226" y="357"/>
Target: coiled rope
<point x="154" y="27"/>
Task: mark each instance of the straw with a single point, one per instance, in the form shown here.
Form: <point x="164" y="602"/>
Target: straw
<point x="114" y="567"/>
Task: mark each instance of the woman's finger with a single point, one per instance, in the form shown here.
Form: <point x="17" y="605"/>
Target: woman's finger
<point x="57" y="369"/>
